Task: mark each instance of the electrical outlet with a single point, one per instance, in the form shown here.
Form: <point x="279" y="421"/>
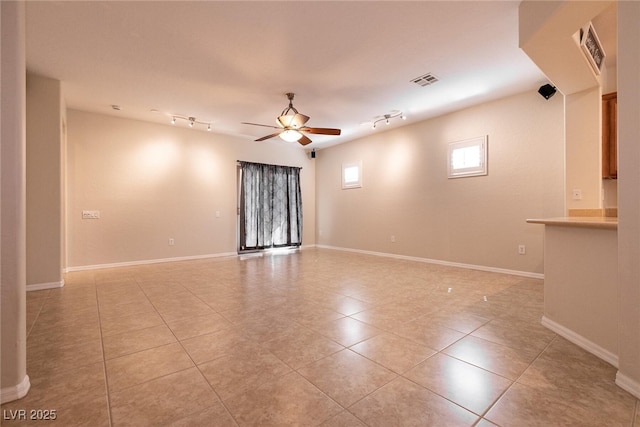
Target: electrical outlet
<point x="522" y="249"/>
<point x="171" y="242"/>
<point x="393" y="239"/>
<point x="577" y="194"/>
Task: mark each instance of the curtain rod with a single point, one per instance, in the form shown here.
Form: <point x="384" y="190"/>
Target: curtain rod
<point x="267" y="164"/>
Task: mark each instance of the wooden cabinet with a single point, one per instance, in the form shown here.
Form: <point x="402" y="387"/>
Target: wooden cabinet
<point x="609" y="136"/>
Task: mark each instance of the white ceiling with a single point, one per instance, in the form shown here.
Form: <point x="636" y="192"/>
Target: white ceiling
<point x="229" y="62"/>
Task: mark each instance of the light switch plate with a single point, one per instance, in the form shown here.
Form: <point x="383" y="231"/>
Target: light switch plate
<point x="90" y="214"/>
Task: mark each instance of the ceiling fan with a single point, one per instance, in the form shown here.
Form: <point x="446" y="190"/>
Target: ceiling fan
<point x="291" y="126"/>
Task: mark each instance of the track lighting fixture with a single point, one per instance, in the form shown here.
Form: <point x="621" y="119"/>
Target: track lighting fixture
<point x="386" y="117"/>
<point x="192" y="121"/>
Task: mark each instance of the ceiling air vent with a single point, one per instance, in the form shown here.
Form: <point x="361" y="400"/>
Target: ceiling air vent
<point x="426" y="80"/>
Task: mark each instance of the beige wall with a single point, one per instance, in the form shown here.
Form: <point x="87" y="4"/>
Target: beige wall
<point x="581" y="291"/>
<point x="583" y="112"/>
<point x="44" y="186"/>
<point x="629" y="196"/>
<point x="152" y="182"/>
<point x="549" y="36"/>
<point x="477" y="220"/>
<point x="14" y="382"/>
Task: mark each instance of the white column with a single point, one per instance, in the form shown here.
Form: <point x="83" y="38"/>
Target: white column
<point x="14" y="382"/>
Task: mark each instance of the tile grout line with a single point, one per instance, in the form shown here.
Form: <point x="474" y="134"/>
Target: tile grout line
<point x="296" y="370"/>
<point x="195" y="365"/>
<point x="516" y="380"/>
<point x="104" y="358"/>
<point x="102" y="342"/>
<point x="33" y="324"/>
<point x="401" y="375"/>
<point x="480" y="416"/>
<point x="636" y="407"/>
<point x="344" y="408"/>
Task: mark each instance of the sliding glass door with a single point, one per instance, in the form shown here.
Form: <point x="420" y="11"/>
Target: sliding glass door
<point x="270" y="206"/>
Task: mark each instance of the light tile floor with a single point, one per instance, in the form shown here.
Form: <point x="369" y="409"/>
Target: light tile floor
<point x="317" y="337"/>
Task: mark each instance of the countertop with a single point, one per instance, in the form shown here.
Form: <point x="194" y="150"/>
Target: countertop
<point x="610" y="223"/>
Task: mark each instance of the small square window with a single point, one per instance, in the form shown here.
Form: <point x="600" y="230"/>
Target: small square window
<point x="468" y="157"/>
<point x="352" y="175"/>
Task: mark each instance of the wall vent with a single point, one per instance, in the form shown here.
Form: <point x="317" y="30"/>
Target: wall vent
<point x="426" y="80"/>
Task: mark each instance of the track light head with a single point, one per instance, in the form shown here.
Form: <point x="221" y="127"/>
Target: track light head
<point x="387" y="118"/>
<point x="192" y="121"/>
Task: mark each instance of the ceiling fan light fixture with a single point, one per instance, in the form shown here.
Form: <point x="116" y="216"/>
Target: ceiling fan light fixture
<point x="287" y="120"/>
<point x="290" y="135"/>
<point x="291" y="124"/>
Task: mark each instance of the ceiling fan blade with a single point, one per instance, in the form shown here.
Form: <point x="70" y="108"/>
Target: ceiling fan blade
<point x="295" y="121"/>
<point x="268" y="136"/>
<point x="321" y="131"/>
<point x="304" y="140"/>
<point x="257" y="124"/>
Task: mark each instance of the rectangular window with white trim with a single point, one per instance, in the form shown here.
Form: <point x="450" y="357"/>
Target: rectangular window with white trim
<point x="468" y="157"/>
<point x="352" y="175"/>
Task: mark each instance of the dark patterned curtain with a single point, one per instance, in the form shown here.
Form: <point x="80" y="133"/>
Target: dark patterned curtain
<point x="270" y="206"/>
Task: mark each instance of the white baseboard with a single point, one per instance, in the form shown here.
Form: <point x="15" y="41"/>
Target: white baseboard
<point x="9" y="394"/>
<point x="439" y="262"/>
<point x="147" y="261"/>
<point x="382" y="254"/>
<point x="43" y="286"/>
<point x="581" y="341"/>
<point x="626" y="383"/>
<point x="157" y="261"/>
